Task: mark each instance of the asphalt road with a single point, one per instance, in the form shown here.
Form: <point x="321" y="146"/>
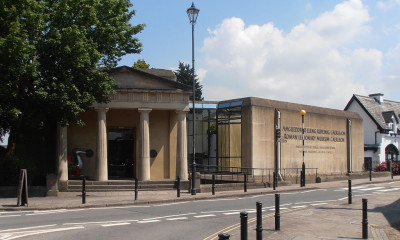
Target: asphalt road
<point x="183" y="220"/>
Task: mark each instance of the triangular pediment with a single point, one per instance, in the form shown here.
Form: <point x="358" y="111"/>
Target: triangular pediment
<point x="130" y="79"/>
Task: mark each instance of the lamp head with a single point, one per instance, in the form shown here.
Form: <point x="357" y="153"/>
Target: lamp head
<point x="192" y="13"/>
<point x="303" y="112"/>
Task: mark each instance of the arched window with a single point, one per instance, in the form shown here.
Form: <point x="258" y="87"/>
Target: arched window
<point x="391" y="153"/>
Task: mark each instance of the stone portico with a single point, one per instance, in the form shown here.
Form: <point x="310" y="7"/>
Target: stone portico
<point x="145" y="122"/>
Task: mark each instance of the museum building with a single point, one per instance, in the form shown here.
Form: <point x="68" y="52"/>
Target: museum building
<point x="146" y="132"/>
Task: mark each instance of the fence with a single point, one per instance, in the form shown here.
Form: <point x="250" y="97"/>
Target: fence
<point x="225" y="174"/>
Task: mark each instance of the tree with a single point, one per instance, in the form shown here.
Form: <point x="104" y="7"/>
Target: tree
<point x="184" y="75"/>
<point x="54" y="57"/>
<point x="141" y="64"/>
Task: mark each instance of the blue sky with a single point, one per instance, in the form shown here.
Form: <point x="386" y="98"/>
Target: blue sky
<point x="311" y="52"/>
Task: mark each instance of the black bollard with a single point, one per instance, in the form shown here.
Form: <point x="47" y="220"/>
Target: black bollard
<point x="245" y="182"/>
<point x="349" y="193"/>
<point x="213" y="185"/>
<point x="259" y="228"/>
<point x="243" y="225"/>
<point x="178" y="187"/>
<point x="223" y="236"/>
<point x="365" y="218"/>
<point x="136" y="188"/>
<point x="84" y="190"/>
<point x="370" y="174"/>
<point x="274" y="182"/>
<point x="277" y="212"/>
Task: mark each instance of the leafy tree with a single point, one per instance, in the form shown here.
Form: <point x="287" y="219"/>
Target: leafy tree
<point x="54" y="55"/>
<point x="141" y="64"/>
<point x="184" y="75"/>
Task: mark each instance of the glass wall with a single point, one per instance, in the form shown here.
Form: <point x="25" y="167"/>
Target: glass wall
<point x="205" y="135"/>
<point x="229" y="132"/>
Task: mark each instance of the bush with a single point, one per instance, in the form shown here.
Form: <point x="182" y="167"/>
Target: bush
<point x="382" y="167"/>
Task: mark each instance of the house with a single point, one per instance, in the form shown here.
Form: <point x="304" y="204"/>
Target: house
<point x="381" y="127"/>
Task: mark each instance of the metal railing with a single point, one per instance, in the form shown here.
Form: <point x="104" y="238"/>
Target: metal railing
<point x="262" y="175"/>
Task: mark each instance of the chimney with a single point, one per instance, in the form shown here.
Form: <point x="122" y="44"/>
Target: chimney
<point x="378" y="97"/>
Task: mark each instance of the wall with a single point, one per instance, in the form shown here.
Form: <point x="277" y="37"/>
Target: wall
<point x="326" y="137"/>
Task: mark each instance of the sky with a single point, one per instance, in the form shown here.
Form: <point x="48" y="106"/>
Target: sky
<point x="311" y="52"/>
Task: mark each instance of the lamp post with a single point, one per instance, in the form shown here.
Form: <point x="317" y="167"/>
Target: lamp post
<point x="192" y="13"/>
<point x="303" y="166"/>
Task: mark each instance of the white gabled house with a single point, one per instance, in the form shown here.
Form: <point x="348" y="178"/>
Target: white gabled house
<point x="381" y="127"/>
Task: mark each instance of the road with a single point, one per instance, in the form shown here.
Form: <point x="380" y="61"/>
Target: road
<point x="182" y="220"/>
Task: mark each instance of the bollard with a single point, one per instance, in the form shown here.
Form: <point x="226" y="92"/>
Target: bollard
<point x="364" y="218"/>
<point x="136" y="188"/>
<point x="391" y="172"/>
<point x="349" y="193"/>
<point x="259" y="221"/>
<point x="275" y="182"/>
<point x="370" y="174"/>
<point x="213" y="185"/>
<point x="245" y="182"/>
<point x="178" y="187"/>
<point x="243" y="225"/>
<point x="277" y="212"/>
<point x="84" y="190"/>
<point x="223" y="236"/>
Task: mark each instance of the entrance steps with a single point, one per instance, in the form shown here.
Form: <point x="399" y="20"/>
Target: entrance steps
<point x="121" y="185"/>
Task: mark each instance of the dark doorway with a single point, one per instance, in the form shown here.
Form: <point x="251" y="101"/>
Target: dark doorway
<point x="121" y="158"/>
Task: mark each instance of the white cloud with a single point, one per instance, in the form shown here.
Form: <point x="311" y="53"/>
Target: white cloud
<point x="387" y="5"/>
<point x="311" y="64"/>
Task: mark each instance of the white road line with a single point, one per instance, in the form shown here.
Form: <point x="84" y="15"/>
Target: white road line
<point x="115" y="224"/>
<point x="303" y="206"/>
<point x="30" y="233"/>
<point x="105" y="222"/>
<point x="203" y="216"/>
<point x="282" y="208"/>
<point x="232" y="213"/>
<point x="5" y="236"/>
<point x="316" y="204"/>
<point x="389" y="190"/>
<point x="26" y="228"/>
<point x="149" y="221"/>
<point x="178" y="218"/>
<point x="370" y="189"/>
<point x="4" y="216"/>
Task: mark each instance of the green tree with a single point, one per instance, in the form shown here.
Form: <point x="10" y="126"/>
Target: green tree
<point x="141" y="64"/>
<point x="184" y="75"/>
<point x="54" y="57"/>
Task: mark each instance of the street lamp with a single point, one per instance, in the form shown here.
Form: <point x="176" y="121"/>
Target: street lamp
<point x="192" y="13"/>
<point x="303" y="167"/>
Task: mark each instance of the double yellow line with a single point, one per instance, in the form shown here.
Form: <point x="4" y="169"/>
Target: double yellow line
<point x="237" y="225"/>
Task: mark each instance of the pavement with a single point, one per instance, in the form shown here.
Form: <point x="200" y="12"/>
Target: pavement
<point x="336" y="220"/>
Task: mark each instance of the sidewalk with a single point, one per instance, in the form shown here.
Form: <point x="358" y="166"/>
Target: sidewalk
<point x="333" y="221"/>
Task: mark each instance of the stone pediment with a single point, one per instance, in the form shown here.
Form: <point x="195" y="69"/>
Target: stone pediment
<point x="147" y="79"/>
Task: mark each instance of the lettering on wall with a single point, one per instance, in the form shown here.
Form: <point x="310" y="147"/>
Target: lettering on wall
<point x="315" y="135"/>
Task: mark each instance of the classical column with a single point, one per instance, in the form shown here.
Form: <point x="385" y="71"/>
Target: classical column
<point x="144" y="146"/>
<point x="101" y="167"/>
<point x="181" y="148"/>
<point x="62" y="158"/>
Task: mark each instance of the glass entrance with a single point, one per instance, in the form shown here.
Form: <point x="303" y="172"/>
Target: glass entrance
<point x="121" y="158"/>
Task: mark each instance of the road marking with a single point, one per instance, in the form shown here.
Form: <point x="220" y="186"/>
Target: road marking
<point x="115" y="224"/>
<point x="231" y="213"/>
<point x="389" y="190"/>
<point x="370" y="189"/>
<point x="26" y="228"/>
<point x="30" y="233"/>
<point x="102" y="222"/>
<point x="178" y="218"/>
<point x="203" y="216"/>
<point x="149" y="221"/>
<point x="4" y="216"/>
<point x="302" y="206"/>
<point x="316" y="204"/>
